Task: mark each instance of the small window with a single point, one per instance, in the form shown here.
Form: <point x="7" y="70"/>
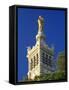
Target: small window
<point x="46" y="56"/>
<point x="49" y="57"/>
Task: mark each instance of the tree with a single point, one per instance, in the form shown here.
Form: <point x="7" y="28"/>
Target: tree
<point x="61" y="61"/>
<point x="51" y="76"/>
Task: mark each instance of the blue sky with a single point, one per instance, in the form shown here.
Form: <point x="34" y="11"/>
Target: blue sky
<point x="54" y="29"/>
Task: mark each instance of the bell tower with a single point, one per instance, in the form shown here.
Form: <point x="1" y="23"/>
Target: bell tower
<point x="40" y="56"/>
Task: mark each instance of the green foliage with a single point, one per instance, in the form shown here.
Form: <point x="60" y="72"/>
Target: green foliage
<point x="51" y="76"/>
<point x="61" y="61"/>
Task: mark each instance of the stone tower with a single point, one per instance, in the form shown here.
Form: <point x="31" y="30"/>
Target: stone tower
<point x="40" y="56"/>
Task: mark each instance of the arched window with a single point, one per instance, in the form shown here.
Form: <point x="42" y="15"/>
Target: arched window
<point x="47" y="59"/>
<point x="37" y="59"/>
<point x="34" y="61"/>
<point x="50" y="58"/>
<point x="31" y="64"/>
<point x="43" y="58"/>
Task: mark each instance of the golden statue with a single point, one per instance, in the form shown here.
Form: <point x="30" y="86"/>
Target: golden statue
<point x="40" y="23"/>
